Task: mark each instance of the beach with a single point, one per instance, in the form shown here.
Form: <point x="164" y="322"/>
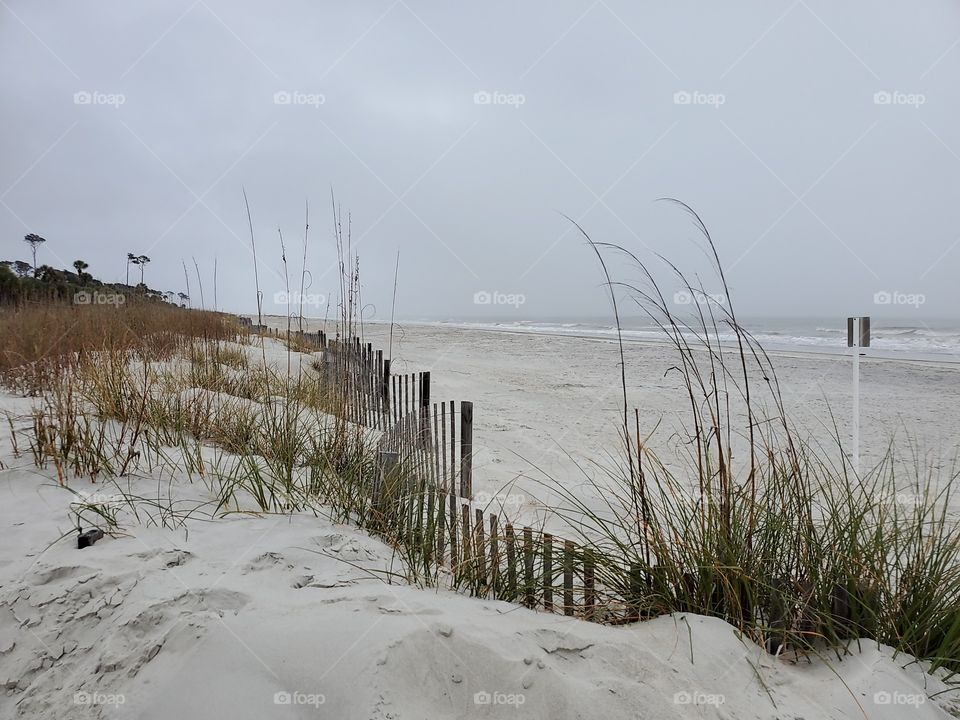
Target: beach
<point x="548" y="407"/>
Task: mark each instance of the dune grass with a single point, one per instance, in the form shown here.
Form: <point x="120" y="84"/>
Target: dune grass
<point x="40" y="341"/>
<point x="784" y="541"/>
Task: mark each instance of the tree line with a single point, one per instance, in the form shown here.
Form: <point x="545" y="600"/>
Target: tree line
<point x="22" y="281"/>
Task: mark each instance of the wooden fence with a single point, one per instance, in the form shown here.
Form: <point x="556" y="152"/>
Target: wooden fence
<point x="424" y="491"/>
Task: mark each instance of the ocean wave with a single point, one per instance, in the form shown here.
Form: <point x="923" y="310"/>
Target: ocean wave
<point x="896" y="338"/>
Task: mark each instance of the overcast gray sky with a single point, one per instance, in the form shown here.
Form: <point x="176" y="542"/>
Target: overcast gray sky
<point x="818" y="140"/>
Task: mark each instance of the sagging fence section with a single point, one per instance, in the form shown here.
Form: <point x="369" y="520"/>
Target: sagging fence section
<point x="423" y="494"/>
<point x="490" y="557"/>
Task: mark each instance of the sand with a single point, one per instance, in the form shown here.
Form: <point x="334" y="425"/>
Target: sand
<point x="282" y="617"/>
<point x="251" y="616"/>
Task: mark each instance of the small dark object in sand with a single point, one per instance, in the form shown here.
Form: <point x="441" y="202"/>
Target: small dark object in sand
<point x="88" y="538"/>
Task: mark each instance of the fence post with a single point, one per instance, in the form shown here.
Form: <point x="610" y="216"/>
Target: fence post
<point x="466" y="449"/>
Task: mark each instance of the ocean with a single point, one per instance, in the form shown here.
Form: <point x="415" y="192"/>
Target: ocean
<point x="933" y="340"/>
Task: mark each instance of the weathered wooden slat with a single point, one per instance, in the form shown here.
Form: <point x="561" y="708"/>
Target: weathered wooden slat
<point x="589" y="588"/>
<point x="425" y="409"/>
<point x="494" y="558"/>
<point x="568" y="606"/>
<point x="529" y="582"/>
<point x="466" y="551"/>
<point x="430" y="540"/>
<point x="454" y="555"/>
<point x="636" y="589"/>
<point x="466" y="449"/>
<point x="548" y="572"/>
<point x="480" y="552"/>
<point x="453" y="449"/>
<point x="447" y="481"/>
<point x="511" y="593"/>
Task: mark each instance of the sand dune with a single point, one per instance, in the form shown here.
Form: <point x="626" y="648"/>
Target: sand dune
<point x="279" y="617"/>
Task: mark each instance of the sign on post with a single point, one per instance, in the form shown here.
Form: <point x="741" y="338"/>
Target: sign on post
<point x="858" y="332"/>
<point x="858" y="336"/>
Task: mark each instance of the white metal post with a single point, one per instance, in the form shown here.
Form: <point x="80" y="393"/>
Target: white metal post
<point x="858" y="336"/>
<point x="856" y="403"/>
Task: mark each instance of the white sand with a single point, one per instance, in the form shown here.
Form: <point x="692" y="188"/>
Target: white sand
<point x="226" y="618"/>
<point x="217" y="622"/>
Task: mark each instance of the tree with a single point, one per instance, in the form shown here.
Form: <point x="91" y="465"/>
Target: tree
<point x="9" y="285"/>
<point x="80" y="266"/>
<point x="141" y="261"/>
<point x="183" y="299"/>
<point x="21" y="268"/>
<point x="47" y="274"/>
<point x="131" y="258"/>
<point x="34" y="241"/>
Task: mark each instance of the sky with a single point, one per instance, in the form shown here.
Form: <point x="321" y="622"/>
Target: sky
<point x="817" y="140"/>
